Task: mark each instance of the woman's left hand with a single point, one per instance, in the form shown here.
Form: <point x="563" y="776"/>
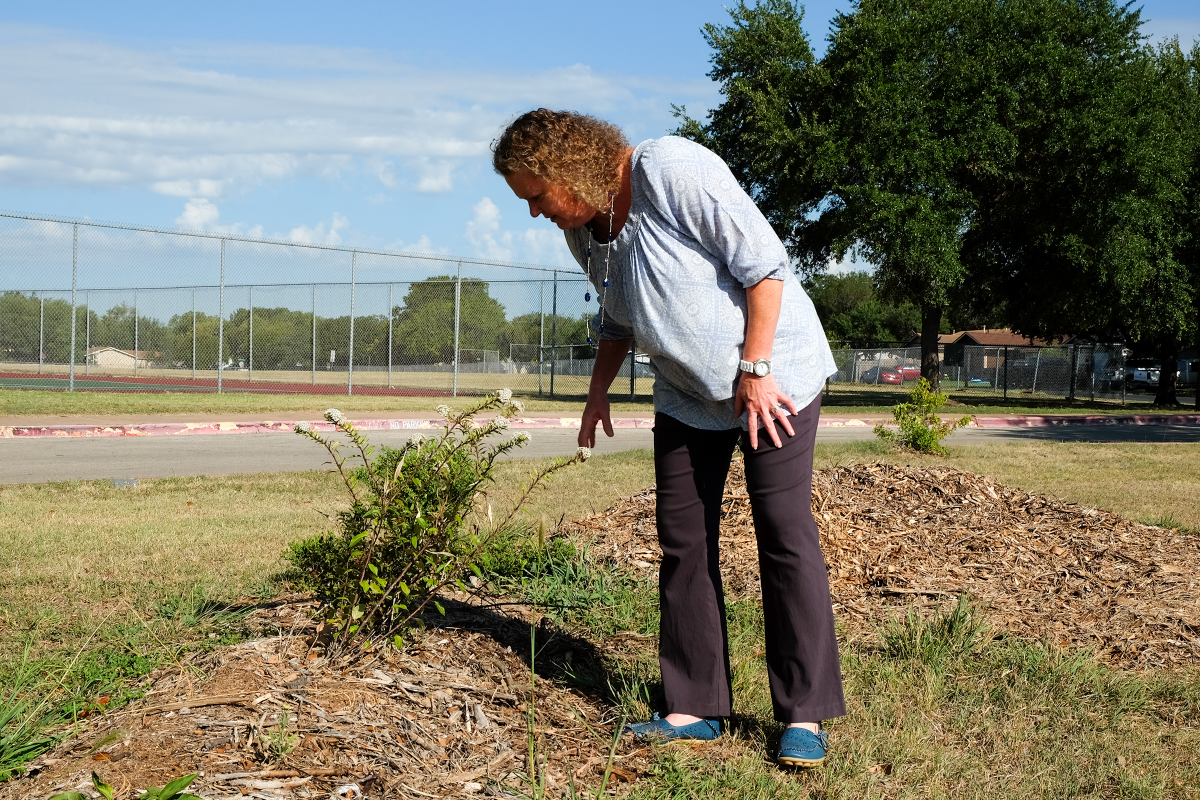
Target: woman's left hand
<point x="761" y="398"/>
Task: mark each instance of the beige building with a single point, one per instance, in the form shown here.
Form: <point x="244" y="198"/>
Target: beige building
<point x="112" y="358"/>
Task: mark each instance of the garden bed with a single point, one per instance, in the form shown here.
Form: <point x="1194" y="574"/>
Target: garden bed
<point x="893" y="536"/>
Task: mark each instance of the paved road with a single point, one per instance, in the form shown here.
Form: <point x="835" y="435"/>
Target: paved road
<point x="47" y="459"/>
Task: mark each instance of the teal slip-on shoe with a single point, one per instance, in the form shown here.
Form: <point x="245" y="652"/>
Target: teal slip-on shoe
<point x="802" y="748"/>
<point x="658" y="728"/>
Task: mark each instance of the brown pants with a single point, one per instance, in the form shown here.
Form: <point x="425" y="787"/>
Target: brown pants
<point x="690" y="466"/>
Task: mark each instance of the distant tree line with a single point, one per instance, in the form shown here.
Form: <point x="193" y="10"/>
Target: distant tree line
<point x="1033" y="163"/>
<point x="422" y="331"/>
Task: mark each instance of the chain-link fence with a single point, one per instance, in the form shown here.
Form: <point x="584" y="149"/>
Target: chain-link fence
<point x="1076" y="371"/>
<point x="107" y="307"/>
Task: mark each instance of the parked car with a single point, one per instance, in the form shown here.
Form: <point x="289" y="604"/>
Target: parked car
<point x="893" y="376"/>
<point x="881" y="375"/>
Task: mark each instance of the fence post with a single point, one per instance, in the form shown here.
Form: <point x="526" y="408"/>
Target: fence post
<point x="1074" y="369"/>
<point x="1092" y="369"/>
<point x="74" y="288"/>
<point x="553" y="333"/>
<point x="1125" y="382"/>
<point x="1036" y="366"/>
<point x="135" y="331"/>
<point x="1005" y="372"/>
<point x="314" y="337"/>
<point x="221" y="326"/>
<point x="541" y="333"/>
<point x="391" y="287"/>
<point x="41" y="331"/>
<point x="250" y="362"/>
<point x="353" y="278"/>
<point x="87" y="341"/>
<point x="457" y="308"/>
<point x="632" y="365"/>
<point x="193" y="333"/>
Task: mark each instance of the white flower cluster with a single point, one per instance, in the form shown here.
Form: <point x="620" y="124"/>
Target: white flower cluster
<point x="444" y="410"/>
<point x="521" y="438"/>
<point x="517" y="406"/>
<point x="501" y="423"/>
<point x="504" y="395"/>
<point x="303" y="427"/>
<point x="334" y="416"/>
<point x="584" y="453"/>
<point x="417" y="439"/>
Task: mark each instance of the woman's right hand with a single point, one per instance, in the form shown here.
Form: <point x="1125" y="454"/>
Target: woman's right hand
<point x="595" y="411"/>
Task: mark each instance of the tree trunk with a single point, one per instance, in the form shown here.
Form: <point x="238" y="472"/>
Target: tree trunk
<point x="1168" y="356"/>
<point x="931" y="323"/>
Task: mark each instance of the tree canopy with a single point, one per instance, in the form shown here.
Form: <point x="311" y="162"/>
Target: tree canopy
<point x="1022" y="159"/>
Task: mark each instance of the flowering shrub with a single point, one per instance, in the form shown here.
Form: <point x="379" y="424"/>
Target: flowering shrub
<point x="413" y="526"/>
<point x="921" y="429"/>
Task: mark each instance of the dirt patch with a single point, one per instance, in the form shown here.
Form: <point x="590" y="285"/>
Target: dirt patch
<point x="895" y="536"/>
<point x="447" y="717"/>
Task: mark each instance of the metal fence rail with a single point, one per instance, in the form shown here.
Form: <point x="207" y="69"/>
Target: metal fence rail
<point x="1074" y="371"/>
<point x="111" y="308"/>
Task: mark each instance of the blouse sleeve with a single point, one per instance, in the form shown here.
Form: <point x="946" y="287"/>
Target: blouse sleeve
<point x="693" y="188"/>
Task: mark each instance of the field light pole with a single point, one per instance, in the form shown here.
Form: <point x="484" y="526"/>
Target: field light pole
<point x="457" y="310"/>
<point x="541" y="333"/>
<point x="553" y="332"/>
<point x="250" y="365"/>
<point x="193" y="333"/>
<point x="353" y="277"/>
<point x="74" y="288"/>
<point x="391" y="287"/>
<point x="314" y="336"/>
<point x="221" y="326"/>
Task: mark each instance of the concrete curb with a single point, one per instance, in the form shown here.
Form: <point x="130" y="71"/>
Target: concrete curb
<point x="432" y="423"/>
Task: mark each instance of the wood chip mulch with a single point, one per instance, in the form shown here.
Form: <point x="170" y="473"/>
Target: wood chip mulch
<point x="445" y="717"/>
<point x="895" y="536"/>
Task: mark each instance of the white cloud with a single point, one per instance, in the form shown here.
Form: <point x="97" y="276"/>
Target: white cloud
<point x="208" y="120"/>
<point x="483" y="232"/>
<point x="199" y="213"/>
<point x="545" y="245"/>
<point x="202" y="214"/>
<point x="319" y="234"/>
<point x="849" y="263"/>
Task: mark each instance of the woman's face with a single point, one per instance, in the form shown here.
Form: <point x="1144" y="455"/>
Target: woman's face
<point x="550" y="200"/>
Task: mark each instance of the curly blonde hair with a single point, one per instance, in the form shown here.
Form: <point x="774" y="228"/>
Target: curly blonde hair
<point x="581" y="153"/>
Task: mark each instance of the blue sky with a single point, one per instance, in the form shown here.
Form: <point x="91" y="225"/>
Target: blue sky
<point x="363" y="124"/>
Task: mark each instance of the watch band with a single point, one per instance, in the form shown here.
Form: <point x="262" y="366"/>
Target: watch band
<point x="753" y="367"/>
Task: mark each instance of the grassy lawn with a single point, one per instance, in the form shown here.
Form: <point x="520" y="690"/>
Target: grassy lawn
<point x="101" y="583"/>
<point x="18" y="402"/>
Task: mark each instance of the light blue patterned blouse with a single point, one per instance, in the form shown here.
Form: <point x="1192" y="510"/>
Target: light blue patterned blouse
<point x="678" y="273"/>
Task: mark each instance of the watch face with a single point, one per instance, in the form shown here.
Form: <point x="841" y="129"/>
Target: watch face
<point x="762" y="368"/>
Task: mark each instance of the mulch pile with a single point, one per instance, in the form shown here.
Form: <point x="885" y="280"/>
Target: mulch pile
<point x="895" y="536"/>
<point x="447" y="717"/>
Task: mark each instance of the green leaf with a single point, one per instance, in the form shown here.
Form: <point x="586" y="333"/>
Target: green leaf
<point x="103" y="788"/>
<point x="175" y="787"/>
<point x="70" y="796"/>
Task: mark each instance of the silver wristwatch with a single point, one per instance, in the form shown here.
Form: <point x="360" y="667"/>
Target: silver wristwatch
<point x="760" y="368"/>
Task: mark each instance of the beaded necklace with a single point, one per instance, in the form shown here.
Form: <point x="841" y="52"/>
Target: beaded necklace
<point x="600" y="296"/>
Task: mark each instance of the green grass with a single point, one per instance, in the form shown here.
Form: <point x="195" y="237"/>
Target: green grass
<point x="33" y="403"/>
<point x="28" y="403"/>
<point x="881" y="401"/>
